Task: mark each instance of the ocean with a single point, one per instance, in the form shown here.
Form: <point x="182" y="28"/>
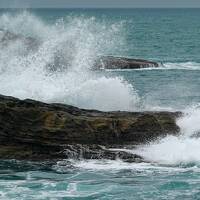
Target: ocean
<point x="170" y="37"/>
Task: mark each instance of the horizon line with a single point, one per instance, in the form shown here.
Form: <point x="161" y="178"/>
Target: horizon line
<point x="99" y="7"/>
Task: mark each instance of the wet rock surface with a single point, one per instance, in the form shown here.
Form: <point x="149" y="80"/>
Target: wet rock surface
<point x="33" y="130"/>
<point x="111" y="62"/>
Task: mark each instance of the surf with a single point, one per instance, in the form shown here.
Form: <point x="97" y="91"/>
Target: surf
<point x="75" y="42"/>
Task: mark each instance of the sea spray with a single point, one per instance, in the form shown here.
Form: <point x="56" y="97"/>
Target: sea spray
<point x="58" y="70"/>
<point x="177" y="150"/>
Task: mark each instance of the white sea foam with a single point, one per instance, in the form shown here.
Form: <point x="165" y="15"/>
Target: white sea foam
<point x="75" y="42"/>
<point x="113" y="166"/>
<point x="181" y="65"/>
<point x="177" y="153"/>
<point x="177" y="150"/>
<point x="170" y="153"/>
<point x="175" y="66"/>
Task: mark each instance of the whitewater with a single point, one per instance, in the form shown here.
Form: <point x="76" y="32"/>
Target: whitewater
<point x="58" y="70"/>
<point x="77" y="42"/>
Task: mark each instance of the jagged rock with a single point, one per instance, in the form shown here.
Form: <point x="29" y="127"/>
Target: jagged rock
<point x="34" y="130"/>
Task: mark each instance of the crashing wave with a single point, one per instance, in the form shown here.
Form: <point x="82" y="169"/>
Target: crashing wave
<point x="74" y="42"/>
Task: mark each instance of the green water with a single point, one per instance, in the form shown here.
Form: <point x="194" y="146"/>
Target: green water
<point x="112" y="180"/>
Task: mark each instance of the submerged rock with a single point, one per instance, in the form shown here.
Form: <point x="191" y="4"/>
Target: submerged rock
<point x="34" y="130"/>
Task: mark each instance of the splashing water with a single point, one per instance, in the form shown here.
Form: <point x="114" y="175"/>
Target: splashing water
<point x="58" y="70"/>
<point x="177" y="150"/>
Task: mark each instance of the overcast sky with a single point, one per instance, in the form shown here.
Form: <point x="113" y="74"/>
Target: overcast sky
<point x="99" y="3"/>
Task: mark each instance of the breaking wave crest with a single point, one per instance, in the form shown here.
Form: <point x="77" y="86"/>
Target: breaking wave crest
<point x="56" y="67"/>
<point x="177" y="150"/>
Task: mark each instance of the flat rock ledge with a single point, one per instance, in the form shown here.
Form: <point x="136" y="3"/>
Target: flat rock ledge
<point x="32" y="130"/>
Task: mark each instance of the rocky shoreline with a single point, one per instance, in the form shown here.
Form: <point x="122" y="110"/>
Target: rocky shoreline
<point x="32" y="130"/>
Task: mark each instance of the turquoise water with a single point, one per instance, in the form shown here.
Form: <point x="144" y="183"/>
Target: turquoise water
<point x="110" y="181"/>
<point x="168" y="36"/>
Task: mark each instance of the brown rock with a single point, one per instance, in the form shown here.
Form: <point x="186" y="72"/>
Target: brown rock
<point x="35" y="130"/>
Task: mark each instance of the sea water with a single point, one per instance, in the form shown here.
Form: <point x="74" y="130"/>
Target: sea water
<point x="78" y="36"/>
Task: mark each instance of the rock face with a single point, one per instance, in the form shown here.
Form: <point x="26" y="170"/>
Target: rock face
<point x="35" y="130"/>
<point x="110" y="62"/>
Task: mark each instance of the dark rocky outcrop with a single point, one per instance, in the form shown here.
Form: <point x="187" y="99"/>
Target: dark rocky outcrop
<point x="36" y="131"/>
<point x="111" y="62"/>
<point x="104" y="62"/>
